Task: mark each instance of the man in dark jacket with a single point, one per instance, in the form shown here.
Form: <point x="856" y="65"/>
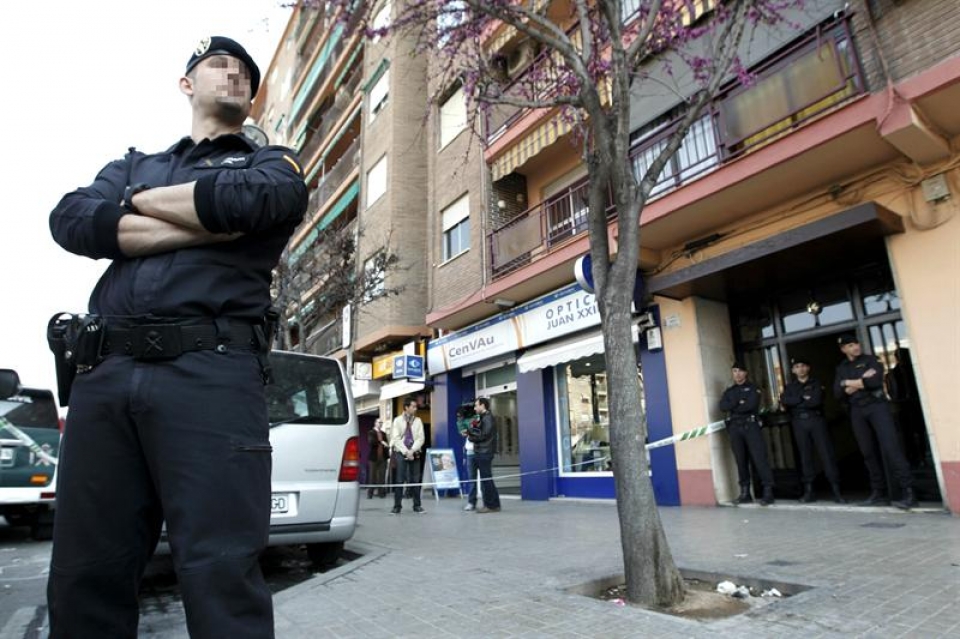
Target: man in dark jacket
<point x="168" y="418"/>
<point x="859" y="383"/>
<point x="803" y="397"/>
<point x="484" y="438"/>
<point x="742" y="404"/>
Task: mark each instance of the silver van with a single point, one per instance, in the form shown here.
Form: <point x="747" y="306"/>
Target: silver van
<point x="316" y="455"/>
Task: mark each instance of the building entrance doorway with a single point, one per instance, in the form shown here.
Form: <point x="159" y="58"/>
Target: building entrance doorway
<point x="805" y="323"/>
<point x="500" y="386"/>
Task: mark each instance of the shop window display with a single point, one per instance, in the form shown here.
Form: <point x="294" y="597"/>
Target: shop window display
<point x="583" y="415"/>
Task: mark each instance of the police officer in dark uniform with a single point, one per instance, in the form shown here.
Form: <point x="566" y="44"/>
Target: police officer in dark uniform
<point x="168" y="417"/>
<point x="803" y="397"/>
<point x="859" y="383"/>
<point x="742" y="403"/>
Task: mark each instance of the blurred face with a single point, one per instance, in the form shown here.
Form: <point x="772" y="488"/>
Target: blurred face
<point x="801" y="370"/>
<point x="219" y="86"/>
<point x="739" y="375"/>
<point x="851" y="350"/>
<point x="477" y="406"/>
<point x="410" y="409"/>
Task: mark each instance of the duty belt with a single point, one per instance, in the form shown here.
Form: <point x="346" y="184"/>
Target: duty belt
<point x="166" y="341"/>
<point x="806" y="414"/>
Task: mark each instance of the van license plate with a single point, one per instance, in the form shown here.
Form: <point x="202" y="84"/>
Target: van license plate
<point x="279" y="504"/>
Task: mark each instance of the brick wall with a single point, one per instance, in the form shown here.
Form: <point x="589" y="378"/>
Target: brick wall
<point x="400" y="216"/>
<point x="913" y="35"/>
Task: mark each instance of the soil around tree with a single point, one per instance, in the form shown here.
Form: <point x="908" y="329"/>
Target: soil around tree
<point x="701" y="601"/>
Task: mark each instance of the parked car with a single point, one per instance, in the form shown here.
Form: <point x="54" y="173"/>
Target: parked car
<point x="30" y="430"/>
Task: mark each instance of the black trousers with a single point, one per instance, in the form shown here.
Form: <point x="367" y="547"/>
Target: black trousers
<point x="406" y="473"/>
<point x="746" y="439"/>
<point x="876" y="420"/>
<point x="186" y="441"/>
<point x="483" y="465"/>
<point x="811" y="432"/>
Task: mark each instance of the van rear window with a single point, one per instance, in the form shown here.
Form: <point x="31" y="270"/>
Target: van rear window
<point x="31" y="409"/>
<point x="306" y="389"/>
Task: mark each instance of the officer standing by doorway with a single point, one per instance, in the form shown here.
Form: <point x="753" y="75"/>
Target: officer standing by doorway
<point x="168" y="416"/>
<point x="859" y="383"/>
<point x="741" y="401"/>
<point x="803" y="397"/>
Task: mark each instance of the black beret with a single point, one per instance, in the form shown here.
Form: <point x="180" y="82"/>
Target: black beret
<point x="799" y="360"/>
<point x="738" y="365"/>
<point x="847" y="338"/>
<point x="219" y="45"/>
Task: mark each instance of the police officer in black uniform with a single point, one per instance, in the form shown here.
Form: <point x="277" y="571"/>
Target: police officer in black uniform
<point x="859" y="383"/>
<point x="168" y="418"/>
<point x="742" y="403"/>
<point x="803" y="397"/>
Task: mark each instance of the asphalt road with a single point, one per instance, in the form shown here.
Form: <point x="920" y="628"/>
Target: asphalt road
<point x="24" y="564"/>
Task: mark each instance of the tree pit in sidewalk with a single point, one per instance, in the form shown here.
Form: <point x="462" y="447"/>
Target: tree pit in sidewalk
<point x="701" y="601"/>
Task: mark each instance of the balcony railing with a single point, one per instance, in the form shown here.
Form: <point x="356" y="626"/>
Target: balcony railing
<point x="537" y="79"/>
<point x="540" y="228"/>
<point x="815" y="75"/>
<point x="316" y="78"/>
<point x="326" y="340"/>
<point x="333" y="178"/>
<point x="330" y="118"/>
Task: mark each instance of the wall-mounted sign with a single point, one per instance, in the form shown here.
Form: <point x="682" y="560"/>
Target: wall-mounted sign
<point x="583" y="271"/>
<point x="565" y="311"/>
<point x="408" y="366"/>
<point x="383" y="365"/>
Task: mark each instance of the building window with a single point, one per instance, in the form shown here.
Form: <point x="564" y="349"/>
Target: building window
<point x="451" y="15"/>
<point x="456" y="228"/>
<point x="453" y="117"/>
<point x="379" y="94"/>
<point x="584" y="415"/>
<point x="373" y="276"/>
<point x="377" y="181"/>
<point x="381" y="20"/>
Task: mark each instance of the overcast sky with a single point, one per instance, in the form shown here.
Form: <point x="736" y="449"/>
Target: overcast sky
<point x="84" y="80"/>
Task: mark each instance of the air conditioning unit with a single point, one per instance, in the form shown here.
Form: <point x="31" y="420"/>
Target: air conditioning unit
<point x="521" y="58"/>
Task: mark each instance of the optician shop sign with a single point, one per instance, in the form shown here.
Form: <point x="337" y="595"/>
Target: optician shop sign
<point x="565" y="311"/>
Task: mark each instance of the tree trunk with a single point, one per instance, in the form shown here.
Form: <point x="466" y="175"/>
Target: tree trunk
<point x="652" y="577"/>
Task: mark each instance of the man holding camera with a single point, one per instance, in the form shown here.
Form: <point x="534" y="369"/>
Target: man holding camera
<point x="406" y="442"/>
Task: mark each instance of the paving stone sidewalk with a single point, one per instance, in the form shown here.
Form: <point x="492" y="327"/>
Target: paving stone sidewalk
<point x="447" y="573"/>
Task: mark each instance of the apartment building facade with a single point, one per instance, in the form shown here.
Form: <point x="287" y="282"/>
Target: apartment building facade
<point x="351" y="106"/>
<point x="821" y="198"/>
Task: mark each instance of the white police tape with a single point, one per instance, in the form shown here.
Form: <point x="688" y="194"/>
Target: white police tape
<point x="27" y="441"/>
<point x="690" y="434"/>
<point x="712" y="427"/>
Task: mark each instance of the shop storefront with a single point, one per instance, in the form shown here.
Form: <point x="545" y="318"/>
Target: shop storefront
<point x="543" y="367"/>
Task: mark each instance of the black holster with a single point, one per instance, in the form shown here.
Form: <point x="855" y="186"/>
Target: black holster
<point x="76" y="342"/>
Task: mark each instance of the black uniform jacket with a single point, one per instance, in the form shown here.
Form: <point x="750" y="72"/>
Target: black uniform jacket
<point x="257" y="191"/>
<point x="872" y="386"/>
<point x="796" y="394"/>
<point x="741" y="401"/>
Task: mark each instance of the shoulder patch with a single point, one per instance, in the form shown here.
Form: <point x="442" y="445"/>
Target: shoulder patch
<point x="293" y="163"/>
